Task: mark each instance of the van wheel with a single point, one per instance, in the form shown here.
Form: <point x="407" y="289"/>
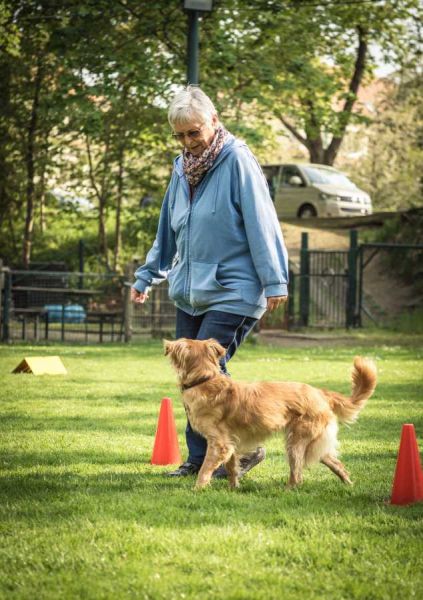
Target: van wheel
<point x="307" y="211"/>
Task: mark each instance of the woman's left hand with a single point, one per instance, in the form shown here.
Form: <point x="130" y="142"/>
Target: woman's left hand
<point x="273" y="302"/>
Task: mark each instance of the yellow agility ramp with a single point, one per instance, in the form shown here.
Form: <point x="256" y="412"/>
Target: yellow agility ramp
<point x="41" y="365"/>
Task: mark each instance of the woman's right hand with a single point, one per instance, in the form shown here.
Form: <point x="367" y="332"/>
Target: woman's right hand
<point x="138" y="297"/>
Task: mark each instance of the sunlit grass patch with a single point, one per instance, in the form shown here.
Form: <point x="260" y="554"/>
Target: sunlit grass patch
<point x="85" y="515"/>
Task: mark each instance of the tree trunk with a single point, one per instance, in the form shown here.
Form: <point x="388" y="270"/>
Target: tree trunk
<point x="118" y="238"/>
<point x="5" y="117"/>
<point x="30" y="167"/>
<point x="316" y="151"/>
<point x="102" y="232"/>
<point x="41" y="192"/>
<point x="332" y="150"/>
<point x="101" y="194"/>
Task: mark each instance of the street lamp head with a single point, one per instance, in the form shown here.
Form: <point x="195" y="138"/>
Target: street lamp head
<point x="203" y="5"/>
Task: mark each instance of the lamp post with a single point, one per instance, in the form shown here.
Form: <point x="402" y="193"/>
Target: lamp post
<point x="193" y="8"/>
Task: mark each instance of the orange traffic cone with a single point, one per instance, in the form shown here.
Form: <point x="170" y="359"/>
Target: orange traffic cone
<point x="166" y="447"/>
<point x="408" y="479"/>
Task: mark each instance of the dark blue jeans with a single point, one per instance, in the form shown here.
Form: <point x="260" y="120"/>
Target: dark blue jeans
<point x="229" y="330"/>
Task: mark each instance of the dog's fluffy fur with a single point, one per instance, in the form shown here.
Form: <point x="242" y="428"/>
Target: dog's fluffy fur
<point x="235" y="417"/>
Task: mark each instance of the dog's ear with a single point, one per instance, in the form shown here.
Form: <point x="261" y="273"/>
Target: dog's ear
<point x="167" y="345"/>
<point x="217" y="349"/>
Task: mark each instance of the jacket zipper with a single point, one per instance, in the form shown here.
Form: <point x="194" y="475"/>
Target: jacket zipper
<point x="188" y="239"/>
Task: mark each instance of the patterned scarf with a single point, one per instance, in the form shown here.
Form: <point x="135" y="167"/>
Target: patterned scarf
<point x="195" y="167"/>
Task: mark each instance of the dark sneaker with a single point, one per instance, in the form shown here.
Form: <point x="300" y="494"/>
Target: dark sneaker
<point x="220" y="473"/>
<point x="184" y="470"/>
<point x="251" y="460"/>
<point x="246" y="463"/>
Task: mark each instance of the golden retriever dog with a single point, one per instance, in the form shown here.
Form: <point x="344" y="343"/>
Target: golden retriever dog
<point x="234" y="417"/>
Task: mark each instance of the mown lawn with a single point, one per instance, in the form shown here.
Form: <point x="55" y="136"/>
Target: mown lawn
<point x="84" y="514"/>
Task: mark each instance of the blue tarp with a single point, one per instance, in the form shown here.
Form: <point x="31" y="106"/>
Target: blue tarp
<point x="73" y="313"/>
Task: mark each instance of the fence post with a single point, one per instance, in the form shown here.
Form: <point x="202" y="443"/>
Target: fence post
<point x="304" y="280"/>
<point x="1" y="290"/>
<point x="81" y="250"/>
<point x="360" y="285"/>
<point x="7" y="291"/>
<point x="352" y="280"/>
<point x="127" y="304"/>
<point x="290" y="309"/>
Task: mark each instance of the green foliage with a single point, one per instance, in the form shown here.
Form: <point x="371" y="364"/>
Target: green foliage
<point x="391" y="168"/>
<point x="85" y="86"/>
<point x="296" y="61"/>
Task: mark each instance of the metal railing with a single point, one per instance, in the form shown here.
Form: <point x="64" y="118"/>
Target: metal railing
<point x="62" y="306"/>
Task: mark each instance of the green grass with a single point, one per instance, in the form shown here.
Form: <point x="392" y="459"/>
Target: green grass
<point x="84" y="514"/>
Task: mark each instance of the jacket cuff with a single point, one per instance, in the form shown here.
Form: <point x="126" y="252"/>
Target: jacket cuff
<point x="279" y="289"/>
<point x="141" y="286"/>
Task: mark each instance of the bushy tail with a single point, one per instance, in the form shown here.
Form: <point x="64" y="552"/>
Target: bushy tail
<point x="363" y="385"/>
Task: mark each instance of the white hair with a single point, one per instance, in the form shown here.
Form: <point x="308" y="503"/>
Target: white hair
<point x="189" y="104"/>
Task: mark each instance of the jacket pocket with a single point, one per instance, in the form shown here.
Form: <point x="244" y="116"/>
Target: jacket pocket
<point x="205" y="288"/>
<point x="176" y="282"/>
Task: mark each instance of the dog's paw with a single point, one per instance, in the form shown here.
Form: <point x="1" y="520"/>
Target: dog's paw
<point x="199" y="487"/>
<point x="288" y="487"/>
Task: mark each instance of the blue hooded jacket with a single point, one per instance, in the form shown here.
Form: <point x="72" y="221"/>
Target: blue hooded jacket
<point x="223" y="249"/>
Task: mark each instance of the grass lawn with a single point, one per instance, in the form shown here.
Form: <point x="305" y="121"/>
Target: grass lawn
<point x="84" y="514"/>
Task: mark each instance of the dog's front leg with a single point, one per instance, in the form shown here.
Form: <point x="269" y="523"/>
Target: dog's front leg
<point x="296" y="462"/>
<point x="214" y="456"/>
<point x="232" y="468"/>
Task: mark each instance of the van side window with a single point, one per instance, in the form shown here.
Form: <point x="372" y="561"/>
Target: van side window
<point x="272" y="176"/>
<point x="287" y="173"/>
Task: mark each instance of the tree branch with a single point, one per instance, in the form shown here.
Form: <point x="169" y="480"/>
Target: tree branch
<point x="292" y="129"/>
<point x="90" y="163"/>
<point x="359" y="67"/>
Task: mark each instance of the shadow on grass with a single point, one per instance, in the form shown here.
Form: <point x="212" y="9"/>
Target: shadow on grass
<point x="156" y="500"/>
<point x="143" y="422"/>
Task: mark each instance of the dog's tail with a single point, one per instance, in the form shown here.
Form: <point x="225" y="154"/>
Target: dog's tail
<point x="363" y="385"/>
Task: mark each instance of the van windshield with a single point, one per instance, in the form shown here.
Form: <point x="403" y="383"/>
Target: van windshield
<point x="322" y="175"/>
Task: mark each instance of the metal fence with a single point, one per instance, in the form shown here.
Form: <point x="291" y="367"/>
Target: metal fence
<point x="65" y="306"/>
<point x="155" y="318"/>
<point x="321" y="287"/>
<point x="390" y="283"/>
<point x="328" y="289"/>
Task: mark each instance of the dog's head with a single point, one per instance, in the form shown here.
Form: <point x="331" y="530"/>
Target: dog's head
<point x="194" y="358"/>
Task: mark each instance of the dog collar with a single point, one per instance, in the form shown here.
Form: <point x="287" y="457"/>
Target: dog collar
<point x="198" y="382"/>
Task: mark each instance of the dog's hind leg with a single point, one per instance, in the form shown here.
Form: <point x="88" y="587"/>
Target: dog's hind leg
<point x="217" y="452"/>
<point x="296" y="458"/>
<point x="232" y="468"/>
<point x="336" y="467"/>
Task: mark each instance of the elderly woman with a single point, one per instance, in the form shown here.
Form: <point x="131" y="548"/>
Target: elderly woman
<point x="218" y="243"/>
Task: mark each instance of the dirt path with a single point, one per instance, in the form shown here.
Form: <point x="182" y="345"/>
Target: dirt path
<point x="318" y="239"/>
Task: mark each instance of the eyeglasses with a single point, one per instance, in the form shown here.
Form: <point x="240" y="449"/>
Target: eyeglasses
<point x="193" y="134"/>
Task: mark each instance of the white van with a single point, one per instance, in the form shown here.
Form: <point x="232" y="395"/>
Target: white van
<point x="312" y="190"/>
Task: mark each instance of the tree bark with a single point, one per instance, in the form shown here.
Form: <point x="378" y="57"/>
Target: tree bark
<point x="101" y="193"/>
<point x="41" y="192"/>
<point x="118" y="236"/>
<point x="5" y="139"/>
<point x="332" y="150"/>
<point x="30" y="167"/>
<point x="313" y="134"/>
<point x="316" y="151"/>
